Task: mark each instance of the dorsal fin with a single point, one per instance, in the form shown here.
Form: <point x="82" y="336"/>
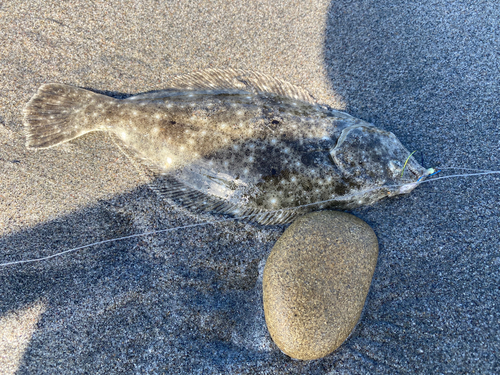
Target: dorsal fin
<point x="239" y="79"/>
<point x="195" y="201"/>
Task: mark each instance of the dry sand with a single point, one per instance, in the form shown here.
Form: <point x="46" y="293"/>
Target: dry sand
<point x="189" y="302"/>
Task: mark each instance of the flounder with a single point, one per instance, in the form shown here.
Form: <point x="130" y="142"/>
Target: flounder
<point x="235" y="142"/>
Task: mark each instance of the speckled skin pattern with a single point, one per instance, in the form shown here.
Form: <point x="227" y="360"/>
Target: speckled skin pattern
<point x="236" y="150"/>
<point x="316" y="280"/>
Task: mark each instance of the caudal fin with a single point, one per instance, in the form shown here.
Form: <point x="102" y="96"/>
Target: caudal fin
<point x="58" y="113"/>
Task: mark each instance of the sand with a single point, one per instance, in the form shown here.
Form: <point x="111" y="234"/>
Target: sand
<point x="190" y="301"/>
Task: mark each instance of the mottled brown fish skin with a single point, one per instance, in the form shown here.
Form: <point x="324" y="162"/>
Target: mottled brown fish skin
<point x="282" y="148"/>
<point x="253" y="151"/>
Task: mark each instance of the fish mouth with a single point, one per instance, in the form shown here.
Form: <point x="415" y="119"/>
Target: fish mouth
<point x="406" y="188"/>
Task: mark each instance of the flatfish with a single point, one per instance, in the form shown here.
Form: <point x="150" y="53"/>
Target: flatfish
<point x="235" y="142"/>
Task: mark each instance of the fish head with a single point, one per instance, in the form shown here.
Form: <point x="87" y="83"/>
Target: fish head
<point x="371" y="159"/>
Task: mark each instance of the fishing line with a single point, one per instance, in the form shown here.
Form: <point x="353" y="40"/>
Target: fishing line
<point x="431" y="171"/>
<point x="467" y="169"/>
<point x="460" y="175"/>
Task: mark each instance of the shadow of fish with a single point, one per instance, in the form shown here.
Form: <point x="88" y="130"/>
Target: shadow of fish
<point x="235" y="142"/>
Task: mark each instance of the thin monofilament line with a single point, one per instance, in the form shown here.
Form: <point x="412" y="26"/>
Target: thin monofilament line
<point x="233" y="219"/>
<point x="459" y="175"/>
<point x="111" y="240"/>
<point x="466" y="169"/>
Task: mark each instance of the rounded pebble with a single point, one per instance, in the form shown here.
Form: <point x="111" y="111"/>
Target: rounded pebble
<point x="316" y="280"/>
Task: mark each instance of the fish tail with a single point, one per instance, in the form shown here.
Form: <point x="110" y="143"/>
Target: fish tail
<point x="58" y="113"/>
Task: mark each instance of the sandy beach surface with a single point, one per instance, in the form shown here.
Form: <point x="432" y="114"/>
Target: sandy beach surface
<point x="190" y="301"/>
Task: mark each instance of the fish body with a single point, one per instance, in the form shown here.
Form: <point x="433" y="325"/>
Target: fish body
<point x="237" y="143"/>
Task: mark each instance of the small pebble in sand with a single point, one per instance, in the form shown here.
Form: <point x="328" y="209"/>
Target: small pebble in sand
<point x="316" y="280"/>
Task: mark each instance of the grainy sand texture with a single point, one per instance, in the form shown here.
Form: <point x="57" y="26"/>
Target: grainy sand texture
<point x="190" y="301"/>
